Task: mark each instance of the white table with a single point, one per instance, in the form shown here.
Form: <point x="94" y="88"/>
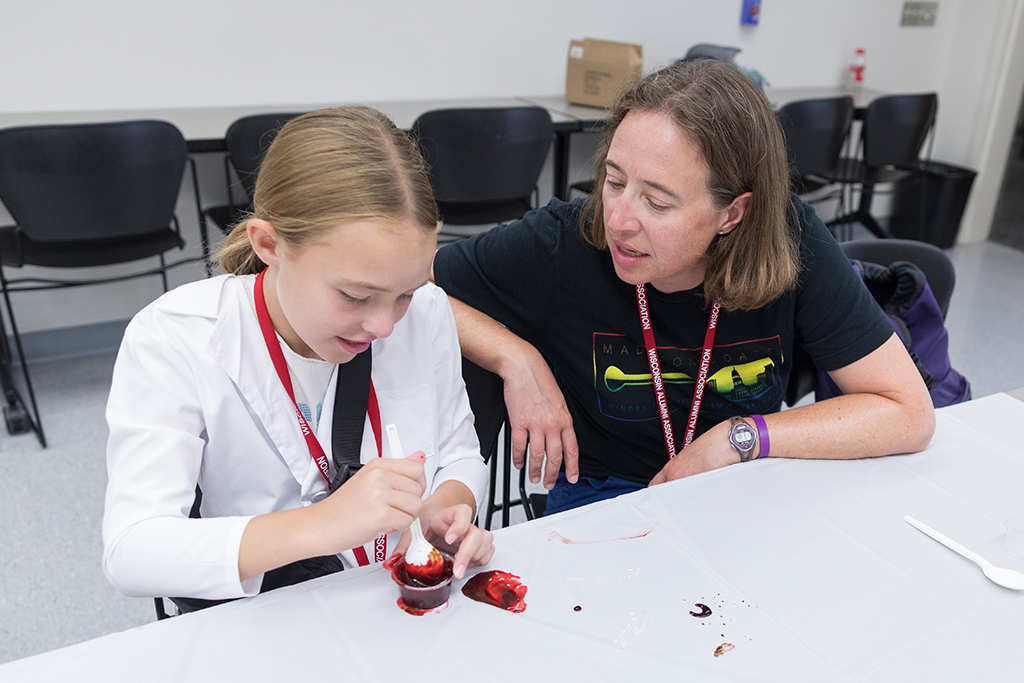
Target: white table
<point x="807" y="566"/>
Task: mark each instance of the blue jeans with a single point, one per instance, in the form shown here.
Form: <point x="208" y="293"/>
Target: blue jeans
<point x="566" y="496"/>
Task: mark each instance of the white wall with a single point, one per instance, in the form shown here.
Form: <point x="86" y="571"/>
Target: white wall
<point x="59" y="55"/>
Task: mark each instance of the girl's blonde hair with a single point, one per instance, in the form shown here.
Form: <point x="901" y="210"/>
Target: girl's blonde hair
<point x="329" y="167"/>
<point x="735" y="130"/>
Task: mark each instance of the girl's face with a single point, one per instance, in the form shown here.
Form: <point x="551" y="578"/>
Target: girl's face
<point x="658" y="214"/>
<point x="333" y="296"/>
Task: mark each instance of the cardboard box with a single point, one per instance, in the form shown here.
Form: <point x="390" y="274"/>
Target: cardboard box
<point x="597" y="68"/>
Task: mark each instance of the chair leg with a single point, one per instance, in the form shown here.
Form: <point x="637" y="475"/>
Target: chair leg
<point x="161" y="612"/>
<point x="506" y="483"/>
<point x="862" y="214"/>
<point x="18" y="417"/>
<point x="203" y="232"/>
<point x="491" y="493"/>
<point x="163" y="271"/>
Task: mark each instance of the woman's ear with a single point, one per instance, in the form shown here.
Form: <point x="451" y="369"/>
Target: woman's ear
<point x="264" y="240"/>
<point x="734" y="213"/>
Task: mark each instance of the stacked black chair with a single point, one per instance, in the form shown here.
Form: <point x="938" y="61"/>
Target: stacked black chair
<point x="82" y="196"/>
<point x="816" y="131"/>
<point x="484" y="163"/>
<point x="893" y="133"/>
<point x="247" y="141"/>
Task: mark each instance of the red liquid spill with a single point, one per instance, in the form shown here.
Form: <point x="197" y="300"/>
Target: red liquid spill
<point x="416" y="611"/>
<point x="497" y="588"/>
<point x="555" y="536"/>
<point x="577" y="608"/>
<point x="705" y="611"/>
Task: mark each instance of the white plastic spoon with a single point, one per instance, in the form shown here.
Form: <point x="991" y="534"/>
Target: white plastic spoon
<point x="1007" y="578"/>
<point x="422" y="560"/>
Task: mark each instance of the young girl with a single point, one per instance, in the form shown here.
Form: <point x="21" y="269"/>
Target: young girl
<point x="229" y="384"/>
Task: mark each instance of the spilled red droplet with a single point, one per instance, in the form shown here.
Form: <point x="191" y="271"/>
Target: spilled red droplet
<point x="577" y="608"/>
<point x="497" y="588"/>
<point x="705" y="611"/>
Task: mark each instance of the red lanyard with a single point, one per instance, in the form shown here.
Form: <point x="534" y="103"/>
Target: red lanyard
<point x="315" y="449"/>
<point x="659" y="385"/>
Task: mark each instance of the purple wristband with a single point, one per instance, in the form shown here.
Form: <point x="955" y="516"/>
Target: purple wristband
<point x="762" y="436"/>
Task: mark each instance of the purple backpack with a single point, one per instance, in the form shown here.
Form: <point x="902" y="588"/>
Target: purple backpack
<point x="902" y="291"/>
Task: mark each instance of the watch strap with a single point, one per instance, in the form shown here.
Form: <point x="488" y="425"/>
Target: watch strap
<point x="762" y="435"/>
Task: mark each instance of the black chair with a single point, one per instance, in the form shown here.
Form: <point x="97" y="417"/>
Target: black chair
<point x="484" y="163"/>
<point x="932" y="261"/>
<point x="815" y="132"/>
<point x="893" y="133"/>
<point x="247" y="141"/>
<point x="83" y="196"/>
<point x="487" y="399"/>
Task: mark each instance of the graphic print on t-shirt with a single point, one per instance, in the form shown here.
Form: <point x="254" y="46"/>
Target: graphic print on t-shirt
<point x="743" y="378"/>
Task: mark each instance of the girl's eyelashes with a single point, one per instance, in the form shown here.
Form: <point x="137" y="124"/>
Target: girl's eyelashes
<point x="354" y="299"/>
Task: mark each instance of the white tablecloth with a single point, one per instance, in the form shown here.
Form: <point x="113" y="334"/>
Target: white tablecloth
<point x="807" y="566"/>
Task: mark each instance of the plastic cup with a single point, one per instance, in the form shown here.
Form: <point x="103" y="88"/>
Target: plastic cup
<point x="1015" y="536"/>
<point x="421" y="597"/>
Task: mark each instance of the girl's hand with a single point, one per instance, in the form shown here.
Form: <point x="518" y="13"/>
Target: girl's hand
<point x="452" y="529"/>
<point x="448" y="524"/>
<point x="383" y="497"/>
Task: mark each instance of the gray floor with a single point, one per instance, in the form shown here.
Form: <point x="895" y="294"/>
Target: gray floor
<point x="52" y="591"/>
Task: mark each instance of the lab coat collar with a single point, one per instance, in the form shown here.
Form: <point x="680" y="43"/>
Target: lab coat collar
<point x="237" y="344"/>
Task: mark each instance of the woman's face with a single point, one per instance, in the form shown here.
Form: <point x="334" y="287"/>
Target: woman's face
<point x="335" y="295"/>
<point x="658" y="215"/>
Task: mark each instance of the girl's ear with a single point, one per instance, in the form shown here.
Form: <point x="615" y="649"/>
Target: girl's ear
<point x="264" y="240"/>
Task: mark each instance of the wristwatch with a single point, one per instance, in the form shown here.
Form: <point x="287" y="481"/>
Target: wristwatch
<point x="742" y="438"/>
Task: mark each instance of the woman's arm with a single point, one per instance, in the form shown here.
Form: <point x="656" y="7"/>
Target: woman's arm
<point x="536" y="407"/>
<point x="885" y="409"/>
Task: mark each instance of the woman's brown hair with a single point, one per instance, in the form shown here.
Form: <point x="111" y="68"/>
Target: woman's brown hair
<point x="329" y="167"/>
<point x="734" y="128"/>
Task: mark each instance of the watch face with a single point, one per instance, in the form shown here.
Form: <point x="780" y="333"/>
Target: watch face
<point x="742" y="437"/>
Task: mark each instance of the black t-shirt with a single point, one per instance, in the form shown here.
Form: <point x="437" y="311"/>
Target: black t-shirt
<point x="543" y="281"/>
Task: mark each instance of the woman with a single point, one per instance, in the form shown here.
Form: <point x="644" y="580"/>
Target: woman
<point x="692" y="234"/>
<point x="244" y="385"/>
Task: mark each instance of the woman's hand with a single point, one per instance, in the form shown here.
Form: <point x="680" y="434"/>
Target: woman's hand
<point x="536" y="407"/>
<point x="448" y="525"/>
<point x="709" y="451"/>
<point x="538" y="415"/>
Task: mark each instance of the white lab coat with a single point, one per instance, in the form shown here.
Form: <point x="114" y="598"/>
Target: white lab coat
<point x="195" y="398"/>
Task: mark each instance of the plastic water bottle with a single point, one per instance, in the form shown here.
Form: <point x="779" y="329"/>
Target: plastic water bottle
<point x="855" y="79"/>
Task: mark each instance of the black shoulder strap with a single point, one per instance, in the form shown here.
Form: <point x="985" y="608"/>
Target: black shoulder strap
<point x="351" y="396"/>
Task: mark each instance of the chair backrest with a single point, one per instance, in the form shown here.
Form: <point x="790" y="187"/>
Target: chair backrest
<point x="724" y="53"/>
<point x="248" y="139"/>
<point x="895" y="128"/>
<point x="932" y="261"/>
<point x="815" y="131"/>
<point x="484" y="155"/>
<point x="91" y="181"/>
